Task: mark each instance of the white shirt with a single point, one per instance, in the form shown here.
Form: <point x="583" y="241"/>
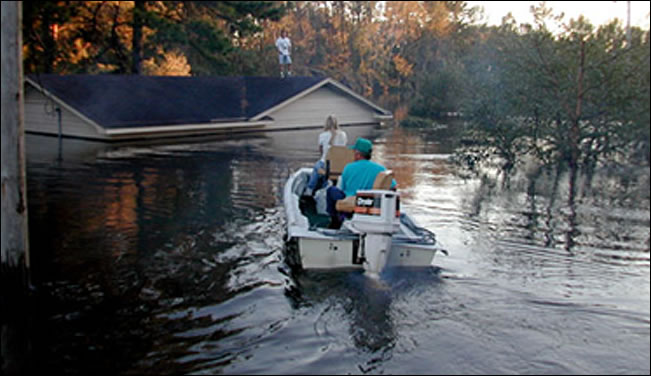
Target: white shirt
<point x="324" y="141"/>
<point x="284" y="45"/>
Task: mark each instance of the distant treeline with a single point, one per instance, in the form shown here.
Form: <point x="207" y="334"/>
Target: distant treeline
<point x="376" y="47"/>
<point x="574" y="97"/>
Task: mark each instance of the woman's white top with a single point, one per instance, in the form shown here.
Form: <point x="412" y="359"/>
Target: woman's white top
<point x="341" y="139"/>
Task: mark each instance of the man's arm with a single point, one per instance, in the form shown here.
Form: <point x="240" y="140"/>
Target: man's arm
<point x="343" y="178"/>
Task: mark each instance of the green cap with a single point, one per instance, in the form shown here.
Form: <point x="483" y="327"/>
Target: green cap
<point x="363" y="145"/>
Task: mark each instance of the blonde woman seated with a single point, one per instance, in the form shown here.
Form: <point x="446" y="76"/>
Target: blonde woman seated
<point x="331" y="135"/>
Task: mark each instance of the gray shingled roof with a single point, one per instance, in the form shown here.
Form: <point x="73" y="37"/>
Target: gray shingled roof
<point x="122" y="101"/>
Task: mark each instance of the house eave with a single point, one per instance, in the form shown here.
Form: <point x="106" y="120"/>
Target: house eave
<point x="185" y="128"/>
<point x="98" y="128"/>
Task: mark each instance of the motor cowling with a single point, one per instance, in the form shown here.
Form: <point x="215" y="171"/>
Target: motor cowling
<point x="377" y="217"/>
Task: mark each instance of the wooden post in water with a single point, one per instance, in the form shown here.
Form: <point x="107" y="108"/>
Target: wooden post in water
<point x="15" y="247"/>
<point x="14" y="266"/>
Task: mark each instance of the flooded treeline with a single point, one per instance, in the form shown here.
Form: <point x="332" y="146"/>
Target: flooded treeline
<point x="577" y="100"/>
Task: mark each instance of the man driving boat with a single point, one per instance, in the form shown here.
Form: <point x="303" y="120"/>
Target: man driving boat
<point x="357" y="175"/>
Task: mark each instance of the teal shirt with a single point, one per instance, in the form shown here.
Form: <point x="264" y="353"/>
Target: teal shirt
<point x="360" y="175"/>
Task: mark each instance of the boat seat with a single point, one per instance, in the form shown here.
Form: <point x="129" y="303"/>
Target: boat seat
<point x="336" y="159"/>
<point x="382" y="181"/>
<point x="346" y="205"/>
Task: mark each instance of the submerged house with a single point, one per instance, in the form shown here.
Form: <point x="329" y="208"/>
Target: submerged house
<point x="128" y="107"/>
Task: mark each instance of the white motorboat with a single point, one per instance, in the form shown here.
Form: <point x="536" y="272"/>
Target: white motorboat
<point x="377" y="236"/>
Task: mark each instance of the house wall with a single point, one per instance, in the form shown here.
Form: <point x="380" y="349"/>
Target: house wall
<point x="41" y="117"/>
<point x="314" y="108"/>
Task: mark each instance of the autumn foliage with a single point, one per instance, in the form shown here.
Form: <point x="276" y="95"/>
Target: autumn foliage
<point x="375" y="47"/>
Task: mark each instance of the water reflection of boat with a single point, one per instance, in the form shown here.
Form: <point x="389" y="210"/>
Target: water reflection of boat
<point x="344" y="306"/>
<point x="376" y="236"/>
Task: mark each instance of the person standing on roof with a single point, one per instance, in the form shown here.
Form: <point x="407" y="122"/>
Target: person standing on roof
<point x="284" y="46"/>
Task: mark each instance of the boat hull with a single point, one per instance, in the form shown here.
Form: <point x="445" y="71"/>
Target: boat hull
<point x="329" y="254"/>
<point x="323" y="249"/>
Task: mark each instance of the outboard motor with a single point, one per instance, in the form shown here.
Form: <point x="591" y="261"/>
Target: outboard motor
<point x="377" y="218"/>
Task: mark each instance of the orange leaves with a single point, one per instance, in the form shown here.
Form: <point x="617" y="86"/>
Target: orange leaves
<point x="402" y="66"/>
<point x="79" y="51"/>
<point x="173" y="63"/>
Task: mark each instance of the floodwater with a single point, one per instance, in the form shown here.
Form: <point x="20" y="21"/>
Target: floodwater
<point x="168" y="259"/>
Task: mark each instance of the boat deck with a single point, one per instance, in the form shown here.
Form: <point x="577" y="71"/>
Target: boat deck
<point x="308" y="208"/>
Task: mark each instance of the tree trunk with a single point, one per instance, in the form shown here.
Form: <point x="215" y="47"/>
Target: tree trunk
<point x="136" y="46"/>
<point x="575" y="130"/>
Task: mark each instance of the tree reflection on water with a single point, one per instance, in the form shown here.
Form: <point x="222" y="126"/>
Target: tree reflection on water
<point x="167" y="259"/>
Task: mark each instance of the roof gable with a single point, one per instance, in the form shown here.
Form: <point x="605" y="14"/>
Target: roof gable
<point x="123" y="101"/>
